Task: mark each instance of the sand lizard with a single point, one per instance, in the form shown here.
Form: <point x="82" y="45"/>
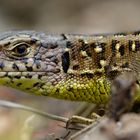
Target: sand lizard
<point x="73" y="67"/>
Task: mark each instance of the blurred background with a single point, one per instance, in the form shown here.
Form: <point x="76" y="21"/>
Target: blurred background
<point x="72" y="16"/>
<point x="56" y="16"/>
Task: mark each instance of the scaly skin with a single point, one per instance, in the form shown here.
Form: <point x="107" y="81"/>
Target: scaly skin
<point x="73" y="67"/>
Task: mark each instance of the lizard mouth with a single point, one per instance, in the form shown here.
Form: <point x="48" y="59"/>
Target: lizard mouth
<point x="31" y="67"/>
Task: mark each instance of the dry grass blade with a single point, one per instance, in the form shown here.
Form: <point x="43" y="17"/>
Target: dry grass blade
<point x="10" y="104"/>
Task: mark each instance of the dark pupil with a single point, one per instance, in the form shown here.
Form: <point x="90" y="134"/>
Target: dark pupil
<point x="21" y="49"/>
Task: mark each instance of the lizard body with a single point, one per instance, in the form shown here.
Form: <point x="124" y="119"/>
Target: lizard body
<point x="73" y="67"/>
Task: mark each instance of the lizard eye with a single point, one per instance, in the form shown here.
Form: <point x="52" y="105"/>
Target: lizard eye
<point x="20" y="49"/>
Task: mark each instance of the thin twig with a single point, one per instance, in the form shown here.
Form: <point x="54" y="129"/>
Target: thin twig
<point x="10" y="104"/>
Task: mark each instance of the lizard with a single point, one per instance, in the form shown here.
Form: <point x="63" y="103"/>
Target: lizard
<point x="65" y="66"/>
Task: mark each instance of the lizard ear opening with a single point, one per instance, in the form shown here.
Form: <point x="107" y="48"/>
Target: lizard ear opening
<point x="65" y="61"/>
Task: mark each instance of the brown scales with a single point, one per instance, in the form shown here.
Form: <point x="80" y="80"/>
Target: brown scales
<point x="113" y="53"/>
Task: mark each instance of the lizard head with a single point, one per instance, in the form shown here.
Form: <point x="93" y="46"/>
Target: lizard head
<point x="27" y="52"/>
<point x="28" y="57"/>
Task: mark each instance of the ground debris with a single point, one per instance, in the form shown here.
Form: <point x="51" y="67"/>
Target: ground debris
<point x="127" y="128"/>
